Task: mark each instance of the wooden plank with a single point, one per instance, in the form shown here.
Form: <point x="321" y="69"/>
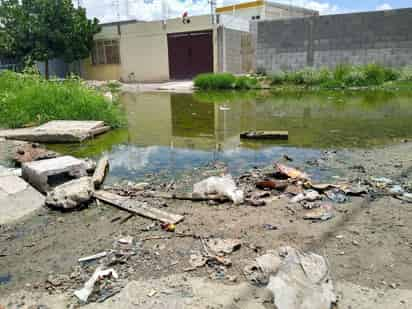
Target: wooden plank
<point x="137" y="207"/>
<point x="265" y="135"/>
<point x="100" y="172"/>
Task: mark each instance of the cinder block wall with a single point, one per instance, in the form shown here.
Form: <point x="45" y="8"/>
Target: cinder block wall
<point x="236" y="52"/>
<point x="383" y="37"/>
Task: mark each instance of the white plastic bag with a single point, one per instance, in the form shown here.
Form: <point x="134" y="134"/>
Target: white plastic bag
<point x="222" y="186"/>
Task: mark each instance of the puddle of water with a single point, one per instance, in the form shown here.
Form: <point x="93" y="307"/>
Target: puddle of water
<point x="4" y="279"/>
<point x="174" y="133"/>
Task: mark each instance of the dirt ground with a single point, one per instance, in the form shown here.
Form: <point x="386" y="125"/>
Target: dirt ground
<point x="368" y="244"/>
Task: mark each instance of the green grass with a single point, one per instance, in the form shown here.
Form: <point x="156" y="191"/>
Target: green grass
<point x="343" y="76"/>
<point x="224" y="81"/>
<point x="27" y="99"/>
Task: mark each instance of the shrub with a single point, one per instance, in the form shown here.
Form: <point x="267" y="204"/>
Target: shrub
<point x="341" y="71"/>
<point x="245" y="82"/>
<point x="374" y="74"/>
<point x="356" y="77"/>
<point x="27" y="99"/>
<point x="391" y="74"/>
<point x="210" y="81"/>
<point x="406" y="74"/>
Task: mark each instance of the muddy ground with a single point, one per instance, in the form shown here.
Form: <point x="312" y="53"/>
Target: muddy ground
<point x="368" y="243"/>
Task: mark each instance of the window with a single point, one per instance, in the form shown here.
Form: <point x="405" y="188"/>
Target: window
<point x="106" y="52"/>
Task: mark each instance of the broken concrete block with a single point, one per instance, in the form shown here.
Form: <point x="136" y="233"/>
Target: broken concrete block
<point x="58" y="131"/>
<point x="5" y="171"/>
<point x="32" y="152"/>
<point x="71" y="194"/>
<point x="46" y="173"/>
<point x="17" y="199"/>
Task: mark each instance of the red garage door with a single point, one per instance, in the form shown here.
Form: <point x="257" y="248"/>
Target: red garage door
<point x="190" y="53"/>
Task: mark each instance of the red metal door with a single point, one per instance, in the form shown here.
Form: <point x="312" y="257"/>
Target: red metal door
<point x="190" y="53"/>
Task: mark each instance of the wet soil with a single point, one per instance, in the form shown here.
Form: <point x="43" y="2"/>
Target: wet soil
<point x="367" y="243"/>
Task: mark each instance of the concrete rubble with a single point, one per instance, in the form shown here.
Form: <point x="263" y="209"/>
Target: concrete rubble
<point x="58" y="131"/>
<point x="71" y="194"/>
<point x="42" y="174"/>
<point x="17" y="199"/>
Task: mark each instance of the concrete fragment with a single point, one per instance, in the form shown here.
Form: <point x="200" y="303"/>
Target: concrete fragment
<point x="58" y="131"/>
<point x="71" y="194"/>
<point x="223" y="246"/>
<point x="32" y="152"/>
<point x="5" y="171"/>
<point x="43" y="174"/>
<point x="17" y="199"/>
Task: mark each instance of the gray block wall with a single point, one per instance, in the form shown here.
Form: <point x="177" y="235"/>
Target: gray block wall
<point x="383" y="37"/>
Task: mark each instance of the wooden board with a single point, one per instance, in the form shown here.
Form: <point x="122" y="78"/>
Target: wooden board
<point x="265" y="135"/>
<point x="137" y="207"/>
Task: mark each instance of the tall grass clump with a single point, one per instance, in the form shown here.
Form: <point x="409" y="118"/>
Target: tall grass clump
<point x="27" y="99"/>
<point x="224" y="81"/>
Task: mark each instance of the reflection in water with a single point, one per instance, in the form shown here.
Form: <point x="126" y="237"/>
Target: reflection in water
<point x="177" y="132"/>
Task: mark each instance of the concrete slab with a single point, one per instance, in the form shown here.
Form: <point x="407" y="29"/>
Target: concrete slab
<point x="46" y="173"/>
<point x="58" y="131"/>
<point x="17" y="199"/>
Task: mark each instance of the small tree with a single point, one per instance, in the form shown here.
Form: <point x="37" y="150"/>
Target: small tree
<point x="45" y="29"/>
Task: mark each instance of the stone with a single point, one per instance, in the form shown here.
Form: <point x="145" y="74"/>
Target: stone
<point x="32" y="152"/>
<point x="71" y="194"/>
<point x="45" y="173"/>
<point x="58" y="131"/>
<point x="5" y="171"/>
<point x="17" y="199"/>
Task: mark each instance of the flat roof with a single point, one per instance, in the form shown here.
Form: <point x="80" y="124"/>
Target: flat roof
<point x="257" y="3"/>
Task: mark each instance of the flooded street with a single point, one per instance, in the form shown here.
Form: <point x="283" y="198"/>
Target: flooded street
<point x="174" y="133"/>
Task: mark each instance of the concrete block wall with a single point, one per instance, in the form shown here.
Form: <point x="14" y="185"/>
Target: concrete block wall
<point x="383" y="37"/>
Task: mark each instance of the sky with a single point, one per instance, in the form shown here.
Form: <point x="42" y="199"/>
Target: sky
<point x="106" y="10"/>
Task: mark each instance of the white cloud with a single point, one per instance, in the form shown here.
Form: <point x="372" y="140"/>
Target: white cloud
<point x="383" y="7"/>
<point x="106" y="10"/>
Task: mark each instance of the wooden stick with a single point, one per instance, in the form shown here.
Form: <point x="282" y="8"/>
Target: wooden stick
<point x="100" y="172"/>
<point x="189" y="197"/>
<point x="137" y="207"/>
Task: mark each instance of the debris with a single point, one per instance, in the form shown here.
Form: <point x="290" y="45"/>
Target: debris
<point x="92" y="257"/>
<point x="284" y="135"/>
<point x="336" y="196"/>
<point x="355" y="190"/>
<point x="302" y="280"/>
<point x="382" y="180"/>
<point x="128" y="240"/>
<point x="271" y="227"/>
<point x="99" y="274"/>
<point x="396" y="190"/>
<point x="137" y="207"/>
<point x="293" y="189"/>
<point x="271" y="184"/>
<point x="320" y="186"/>
<point x="221" y="186"/>
<point x="58" y="131"/>
<point x="406" y="197"/>
<point x="224" y="108"/>
<point x="5" y="171"/>
<point x="71" y="194"/>
<point x="168" y="227"/>
<point x="152" y="293"/>
<point x="32" y="152"/>
<point x="290" y="172"/>
<point x="188" y="197"/>
<point x="100" y="172"/>
<point x="223" y="246"/>
<point x="287" y="158"/>
<point x="197" y="260"/>
<point x="259" y="271"/>
<point x="140" y="186"/>
<point x="323" y="213"/>
<point x="307" y="195"/>
<point x="41" y="174"/>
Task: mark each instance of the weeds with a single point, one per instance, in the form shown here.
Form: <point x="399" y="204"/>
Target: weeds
<point x="28" y="99"/>
<point x="224" y="81"/>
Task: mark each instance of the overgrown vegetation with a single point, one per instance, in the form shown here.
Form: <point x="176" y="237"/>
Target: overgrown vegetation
<point x="28" y="99"/>
<point x="225" y="81"/>
<point x="343" y="76"/>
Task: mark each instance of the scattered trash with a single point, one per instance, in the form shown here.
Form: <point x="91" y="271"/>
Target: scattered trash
<point x="320" y="186"/>
<point x="152" y="293"/>
<point x="307" y="195"/>
<point x="92" y="257"/>
<point x="221" y="186"/>
<point x="382" y="180"/>
<point x="128" y="240"/>
<point x="259" y="271"/>
<point x="197" y="260"/>
<point x="224" y="108"/>
<point x="323" y="213"/>
<point x="336" y="196"/>
<point x="271" y="227"/>
<point x="99" y="274"/>
<point x="396" y="190"/>
<point x="290" y="172"/>
<point x="287" y="158"/>
<point x="223" y="246"/>
<point x="168" y="227"/>
<point x="265" y="135"/>
<point x="355" y="190"/>
<point x="272" y="184"/>
<point x="302" y="280"/>
<point x="406" y="197"/>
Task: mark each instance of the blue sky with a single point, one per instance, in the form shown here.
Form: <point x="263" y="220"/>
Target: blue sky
<point x="106" y="10"/>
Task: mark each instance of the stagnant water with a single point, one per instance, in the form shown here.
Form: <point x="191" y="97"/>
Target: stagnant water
<point x="174" y="133"/>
